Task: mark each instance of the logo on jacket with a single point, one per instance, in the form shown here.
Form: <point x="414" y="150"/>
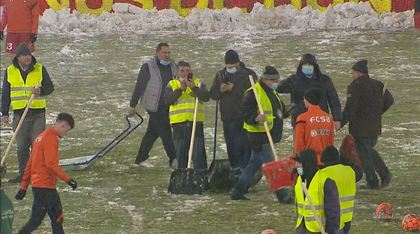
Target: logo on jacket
<point x="320" y="132"/>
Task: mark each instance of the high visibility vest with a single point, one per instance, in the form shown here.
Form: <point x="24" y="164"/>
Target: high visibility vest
<point x="21" y="91"/>
<point x="345" y="181"/>
<point x="267" y="108"/>
<point x="183" y="109"/>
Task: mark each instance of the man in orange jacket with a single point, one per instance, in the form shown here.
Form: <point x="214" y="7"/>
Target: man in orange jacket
<point x="21" y="18"/>
<point x="314" y="128"/>
<point x="42" y="171"/>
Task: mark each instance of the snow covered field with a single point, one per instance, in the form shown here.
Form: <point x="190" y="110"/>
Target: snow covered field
<point x="94" y="67"/>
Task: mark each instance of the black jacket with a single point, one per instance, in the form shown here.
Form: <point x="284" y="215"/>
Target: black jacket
<point x="47" y="87"/>
<point x="298" y="83"/>
<point x="249" y="110"/>
<point x="230" y="102"/>
<point x="366" y="102"/>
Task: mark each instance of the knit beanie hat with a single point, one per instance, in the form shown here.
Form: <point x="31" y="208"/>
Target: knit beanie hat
<point x="22" y="49"/>
<point x="270" y="73"/>
<point x="231" y="57"/>
<point x="361" y="66"/>
<point x="330" y="154"/>
<point x="313" y="95"/>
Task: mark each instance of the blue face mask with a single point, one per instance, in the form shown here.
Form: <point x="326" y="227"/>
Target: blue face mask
<point x="274" y="86"/>
<point x="231" y="70"/>
<point x="308" y="70"/>
<point x="164" y="63"/>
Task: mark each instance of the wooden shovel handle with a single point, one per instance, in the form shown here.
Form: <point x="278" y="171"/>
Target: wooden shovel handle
<point x="191" y="149"/>
<point x="17" y="128"/>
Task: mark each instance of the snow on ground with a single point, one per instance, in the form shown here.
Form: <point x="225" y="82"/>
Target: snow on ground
<point x="131" y="19"/>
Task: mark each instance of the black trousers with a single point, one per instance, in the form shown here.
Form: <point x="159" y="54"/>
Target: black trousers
<point x="372" y="161"/>
<point x="238" y="147"/>
<point x="45" y="201"/>
<point x="158" y="127"/>
<point x="182" y="137"/>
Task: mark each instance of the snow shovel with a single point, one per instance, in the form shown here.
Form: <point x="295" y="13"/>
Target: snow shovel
<point x="187" y="180"/>
<point x="80" y="163"/>
<point x="277" y="172"/>
<point x="2" y="165"/>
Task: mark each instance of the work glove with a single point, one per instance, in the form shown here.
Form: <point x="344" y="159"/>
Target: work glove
<point x="72" y="183"/>
<point x="1" y="35"/>
<point x="20" y="194"/>
<point x="33" y="38"/>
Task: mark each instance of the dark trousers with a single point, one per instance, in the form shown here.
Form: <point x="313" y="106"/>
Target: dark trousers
<point x="45" y="201"/>
<point x="182" y="137"/>
<point x="158" y="127"/>
<point x="238" y="147"/>
<point x="32" y="126"/>
<point x="371" y="160"/>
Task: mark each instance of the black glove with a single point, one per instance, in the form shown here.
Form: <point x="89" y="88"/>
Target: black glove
<point x="1" y="35"/>
<point x="33" y="38"/>
<point x="73" y="184"/>
<point x="20" y="194"/>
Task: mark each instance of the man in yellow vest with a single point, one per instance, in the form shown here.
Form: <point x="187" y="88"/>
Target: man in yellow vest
<point x="324" y="193"/>
<point x="22" y="79"/>
<point x="180" y="95"/>
<point x="345" y="179"/>
<point x="254" y="125"/>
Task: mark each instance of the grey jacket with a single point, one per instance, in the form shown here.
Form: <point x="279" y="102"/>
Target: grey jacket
<point x="151" y="82"/>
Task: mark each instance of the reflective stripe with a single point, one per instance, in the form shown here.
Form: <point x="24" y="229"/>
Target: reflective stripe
<point x="347" y="210"/>
<point x="20" y="89"/>
<point x="347" y="198"/>
<point x="312" y="219"/>
<point x="18" y="98"/>
<point x="182" y="111"/>
<point x="318" y="207"/>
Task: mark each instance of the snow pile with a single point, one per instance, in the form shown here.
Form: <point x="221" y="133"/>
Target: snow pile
<point x="132" y="19"/>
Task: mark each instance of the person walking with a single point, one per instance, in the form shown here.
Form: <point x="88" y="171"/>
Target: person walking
<point x="180" y="95"/>
<point x="314" y="129"/>
<point x="21" y="19"/>
<point x="254" y="125"/>
<point x="152" y="80"/>
<point x="367" y="100"/>
<point x="42" y="172"/>
<point x="309" y="75"/>
<point x="228" y="87"/>
<point x="24" y="77"/>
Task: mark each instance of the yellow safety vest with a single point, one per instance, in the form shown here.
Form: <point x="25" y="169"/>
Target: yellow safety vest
<point x="345" y="180"/>
<point x="267" y="108"/>
<point x="346" y="185"/>
<point x="21" y="91"/>
<point x="183" y="109"/>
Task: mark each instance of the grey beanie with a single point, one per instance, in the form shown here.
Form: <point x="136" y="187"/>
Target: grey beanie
<point x="270" y="73"/>
<point x="22" y="49"/>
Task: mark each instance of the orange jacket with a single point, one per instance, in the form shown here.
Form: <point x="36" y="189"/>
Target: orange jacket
<point x="42" y="169"/>
<point x="314" y="130"/>
<point x="20" y="16"/>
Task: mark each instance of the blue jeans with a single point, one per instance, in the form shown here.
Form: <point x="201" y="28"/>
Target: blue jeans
<point x="265" y="155"/>
<point x="238" y="147"/>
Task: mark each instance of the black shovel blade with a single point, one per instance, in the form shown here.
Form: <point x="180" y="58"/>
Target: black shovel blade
<point x="187" y="181"/>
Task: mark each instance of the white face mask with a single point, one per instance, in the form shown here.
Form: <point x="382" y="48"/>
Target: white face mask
<point x="299" y="170"/>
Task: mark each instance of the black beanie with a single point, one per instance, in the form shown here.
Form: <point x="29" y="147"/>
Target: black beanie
<point x="22" y="49"/>
<point x="313" y="95"/>
<point x="308" y="58"/>
<point x="231" y="57"/>
<point x="361" y="66"/>
<point x="330" y="154"/>
<point x="270" y="73"/>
